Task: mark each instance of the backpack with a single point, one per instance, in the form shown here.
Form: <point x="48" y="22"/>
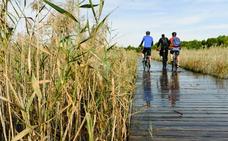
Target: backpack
<point x="165" y="42"/>
<point x="176" y="42"/>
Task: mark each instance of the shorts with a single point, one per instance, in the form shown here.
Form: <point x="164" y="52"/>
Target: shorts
<point x="176" y="51"/>
<point x="147" y="51"/>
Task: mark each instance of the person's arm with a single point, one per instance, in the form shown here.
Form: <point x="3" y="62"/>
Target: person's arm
<point x="152" y="43"/>
<point x="180" y="44"/>
<point x="159" y="43"/>
<point x="141" y="42"/>
<point x="168" y="42"/>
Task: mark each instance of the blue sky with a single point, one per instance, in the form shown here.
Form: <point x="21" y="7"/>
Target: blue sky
<point x="191" y="19"/>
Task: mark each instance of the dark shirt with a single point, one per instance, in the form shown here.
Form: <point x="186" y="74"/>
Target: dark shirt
<point x="164" y="43"/>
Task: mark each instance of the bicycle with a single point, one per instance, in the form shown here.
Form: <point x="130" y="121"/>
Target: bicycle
<point x="174" y="61"/>
<point x="146" y="62"/>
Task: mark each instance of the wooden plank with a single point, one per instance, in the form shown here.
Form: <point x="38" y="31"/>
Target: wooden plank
<point x="186" y="106"/>
<point x="218" y="119"/>
<point x="184" y="123"/>
<point x="184" y="111"/>
<point x="146" y="128"/>
<point x="189" y="111"/>
<point x="176" y="115"/>
<point x="173" y="132"/>
<point x="140" y="138"/>
<point x="187" y="139"/>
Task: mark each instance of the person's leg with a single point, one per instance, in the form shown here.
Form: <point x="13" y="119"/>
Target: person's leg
<point x="149" y="52"/>
<point x="165" y="59"/>
<point x="149" y="58"/>
<point x="178" y="59"/>
<point x="149" y="55"/>
<point x="143" y="53"/>
<point x="160" y="53"/>
<point x="166" y="55"/>
<point x="171" y="55"/>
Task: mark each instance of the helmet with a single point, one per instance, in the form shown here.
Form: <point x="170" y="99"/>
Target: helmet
<point x="147" y="32"/>
<point x="174" y="33"/>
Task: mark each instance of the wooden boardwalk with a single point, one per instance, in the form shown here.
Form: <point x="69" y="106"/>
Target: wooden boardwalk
<point x="179" y="107"/>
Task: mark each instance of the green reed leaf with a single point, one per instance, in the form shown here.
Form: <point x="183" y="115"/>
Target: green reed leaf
<point x="61" y="10"/>
<point x="88" y="5"/>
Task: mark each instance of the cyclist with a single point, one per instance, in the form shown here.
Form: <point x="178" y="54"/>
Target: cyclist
<point x="163" y="44"/>
<point x="148" y="43"/>
<point x="175" y="46"/>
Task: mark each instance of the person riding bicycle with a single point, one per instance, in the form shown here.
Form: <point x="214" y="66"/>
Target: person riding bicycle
<point x="175" y="46"/>
<point x="164" y="44"/>
<point x="148" y="43"/>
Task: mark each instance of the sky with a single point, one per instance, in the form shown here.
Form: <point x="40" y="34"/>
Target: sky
<point x="191" y="19"/>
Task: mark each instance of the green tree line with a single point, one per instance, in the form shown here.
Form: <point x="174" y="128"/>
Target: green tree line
<point x="195" y="44"/>
<point x="210" y="42"/>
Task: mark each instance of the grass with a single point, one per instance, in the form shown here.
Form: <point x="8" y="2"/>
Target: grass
<point x="68" y="88"/>
<point x="213" y="61"/>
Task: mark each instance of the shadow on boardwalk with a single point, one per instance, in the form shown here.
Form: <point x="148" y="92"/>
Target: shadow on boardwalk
<point x="179" y="106"/>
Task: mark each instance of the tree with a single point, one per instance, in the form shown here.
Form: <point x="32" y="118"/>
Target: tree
<point x="211" y="42"/>
<point x="195" y="44"/>
<point x="203" y="43"/>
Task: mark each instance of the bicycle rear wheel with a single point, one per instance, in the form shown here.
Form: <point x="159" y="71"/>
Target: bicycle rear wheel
<point x="146" y="64"/>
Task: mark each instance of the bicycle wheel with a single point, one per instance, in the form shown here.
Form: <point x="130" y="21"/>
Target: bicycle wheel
<point x="146" y="64"/>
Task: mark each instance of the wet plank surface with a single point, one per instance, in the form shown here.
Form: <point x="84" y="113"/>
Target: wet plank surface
<point x="181" y="106"/>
